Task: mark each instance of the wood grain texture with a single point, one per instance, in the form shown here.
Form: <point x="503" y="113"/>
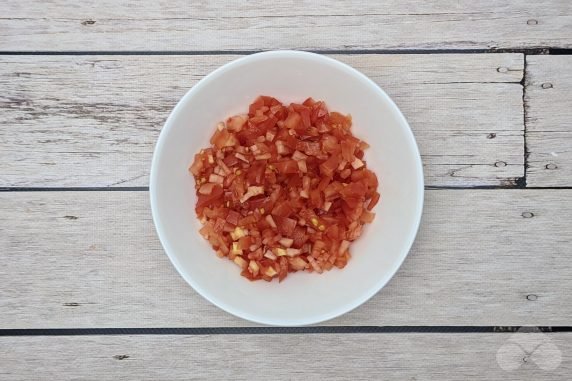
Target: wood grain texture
<point x="413" y="356"/>
<point x="109" y="25"/>
<point x="92" y="259"/>
<point x="93" y="120"/>
<point x="549" y="120"/>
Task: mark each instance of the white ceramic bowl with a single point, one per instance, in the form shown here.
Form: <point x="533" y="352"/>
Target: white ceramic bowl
<point x="303" y="298"/>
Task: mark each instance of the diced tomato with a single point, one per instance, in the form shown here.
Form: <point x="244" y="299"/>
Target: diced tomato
<point x="233" y="217"/>
<point x="309" y="102"/>
<point x="299" y="236"/>
<point x="282" y="209"/>
<point x="231" y="160"/>
<point x="373" y="201"/>
<point x="328" y="167"/>
<point x="337" y="119"/>
<point x="286" y="166"/>
<point x="285" y="225"/>
<point x="309" y="148"/>
<point x="348" y="149"/>
<point x="283" y="262"/>
<point x="293" y="120"/>
<point x="356" y="189"/>
<point x="207" y="199"/>
<point x="304" y="114"/>
<point x="330" y="144"/>
<point x="236" y="123"/>
<point x="224" y="138"/>
<point x="257" y="104"/>
<point x="280" y="189"/>
<point x="256" y="173"/>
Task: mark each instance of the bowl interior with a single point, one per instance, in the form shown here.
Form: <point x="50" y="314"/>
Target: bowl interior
<point x="302" y="298"/>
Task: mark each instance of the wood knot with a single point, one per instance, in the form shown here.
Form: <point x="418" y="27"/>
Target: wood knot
<point x="88" y="22"/>
<point x="502" y="69"/>
<point x="532" y="22"/>
<point x="527" y="214"/>
<point x="121" y="357"/>
<point x="531" y="297"/>
<point x="547" y="85"/>
<point x="492" y="135"/>
<point x="500" y="164"/>
<point x="550" y="166"/>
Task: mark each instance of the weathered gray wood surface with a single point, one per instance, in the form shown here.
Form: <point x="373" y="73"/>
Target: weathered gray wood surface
<point x="93" y="120"/>
<point x="549" y="120"/>
<point x="92" y="259"/>
<point x="127" y="25"/>
<point x="407" y="356"/>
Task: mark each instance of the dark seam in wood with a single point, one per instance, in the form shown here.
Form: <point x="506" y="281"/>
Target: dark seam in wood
<point x="274" y="330"/>
<point x="524" y="121"/>
<point x="541" y="50"/>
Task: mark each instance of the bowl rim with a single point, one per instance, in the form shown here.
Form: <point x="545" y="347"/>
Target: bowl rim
<point x="366" y="294"/>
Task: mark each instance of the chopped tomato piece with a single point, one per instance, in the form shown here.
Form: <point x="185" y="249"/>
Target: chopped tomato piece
<point x="207" y="199"/>
<point x="286" y="166"/>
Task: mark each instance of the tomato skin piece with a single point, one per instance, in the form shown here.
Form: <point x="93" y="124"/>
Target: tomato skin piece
<point x="283" y="262"/>
<point x="309" y="148"/>
<point x="224" y="138"/>
<point x="299" y="236"/>
<point x="233" y="217"/>
<point x="309" y="102"/>
<point x="231" y="160"/>
<point x="348" y="149"/>
<point x="355" y="190"/>
<point x="338" y="119"/>
<point x="283" y="209"/>
<point x="374" y="200"/>
<point x="254" y="106"/>
<point x="293" y="120"/>
<point x="330" y="144"/>
<point x="285" y="225"/>
<point x="207" y="199"/>
<point x="316" y="198"/>
<point x="328" y="167"/>
<point x="304" y="114"/>
<point x="256" y="173"/>
<point x="286" y="167"/>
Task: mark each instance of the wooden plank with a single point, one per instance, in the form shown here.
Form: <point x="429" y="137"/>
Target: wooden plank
<point x="548" y="100"/>
<point x="407" y="356"/>
<point x="93" y="120"/>
<point x="54" y="25"/>
<point x="91" y="259"/>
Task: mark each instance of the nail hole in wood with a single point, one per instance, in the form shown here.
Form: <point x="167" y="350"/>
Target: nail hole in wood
<point x="492" y="135"/>
<point x="500" y="164"/>
<point x="531" y="297"/>
<point x="88" y="22"/>
<point x="550" y="166"/>
<point x="121" y="357"/>
<point x="527" y="214"/>
<point x="546" y="85"/>
<point x="502" y="69"/>
<point x="532" y="22"/>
